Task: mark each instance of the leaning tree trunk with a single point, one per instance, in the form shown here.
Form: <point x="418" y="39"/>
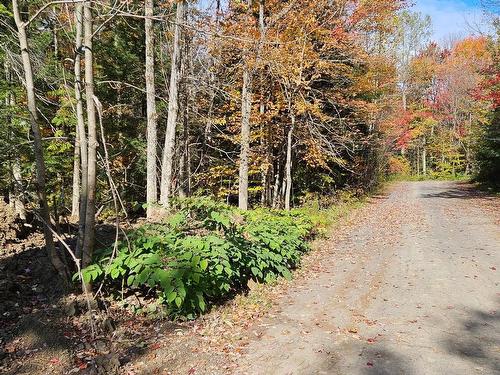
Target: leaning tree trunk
<point x="288" y="167"/>
<point x="37" y="145"/>
<point x="81" y="132"/>
<point x="89" y="238"/>
<point x="173" y="109"/>
<point x="151" y="184"/>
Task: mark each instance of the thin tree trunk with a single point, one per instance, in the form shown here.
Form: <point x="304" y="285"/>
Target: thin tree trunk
<point x="19" y="207"/>
<point x="81" y="131"/>
<point x="89" y="238"/>
<point x="151" y="184"/>
<point x="288" y="166"/>
<point x="417" y="156"/>
<point x="75" y="195"/>
<point x="173" y="109"/>
<point x="276" y="188"/>
<point x="424" y="159"/>
<point x="37" y="145"/>
<point x="266" y="176"/>
<point x="16" y="198"/>
<point x="185" y="163"/>
<point x="246" y="111"/>
<point x="246" y="108"/>
<point x="184" y="169"/>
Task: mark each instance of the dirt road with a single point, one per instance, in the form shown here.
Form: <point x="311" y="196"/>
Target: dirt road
<point x="412" y="287"/>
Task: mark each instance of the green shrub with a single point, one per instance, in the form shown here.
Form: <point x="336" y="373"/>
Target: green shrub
<point x="205" y="252"/>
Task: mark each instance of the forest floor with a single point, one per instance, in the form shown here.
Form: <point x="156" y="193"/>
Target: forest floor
<point x="407" y="284"/>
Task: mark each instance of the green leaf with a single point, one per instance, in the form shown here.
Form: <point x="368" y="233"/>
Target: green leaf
<point x="115" y="272"/>
<point x="201" y="301"/>
<point x="181" y="290"/>
<point x="178" y="301"/>
<point x="196" y="277"/>
<point x="287" y="274"/>
<point x="4" y="11"/>
<point x="152" y="259"/>
<point x="130" y="280"/>
<point x="195" y="260"/>
<point x="171" y="296"/>
<point x="204" y="264"/>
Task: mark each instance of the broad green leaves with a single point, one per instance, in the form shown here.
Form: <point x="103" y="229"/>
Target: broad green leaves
<point x="201" y="255"/>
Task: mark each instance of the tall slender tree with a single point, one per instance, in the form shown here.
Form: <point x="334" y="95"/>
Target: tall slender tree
<point x="37" y="142"/>
<point x="173" y="109"/>
<point x="89" y="238"/>
<point x="151" y="181"/>
<point x="246" y="111"/>
<point x="81" y="133"/>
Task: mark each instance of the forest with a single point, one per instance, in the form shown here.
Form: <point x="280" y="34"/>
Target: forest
<point x="183" y="148"/>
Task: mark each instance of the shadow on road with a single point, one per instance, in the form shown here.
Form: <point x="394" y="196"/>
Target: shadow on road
<point x="477" y="340"/>
<point x="385" y="362"/>
<point x="373" y="359"/>
<point x="457" y="191"/>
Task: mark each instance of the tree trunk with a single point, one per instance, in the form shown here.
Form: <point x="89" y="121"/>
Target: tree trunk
<point x="151" y="184"/>
<point x="246" y="111"/>
<point x="75" y="195"/>
<point x="81" y="132"/>
<point x="276" y="188"/>
<point x="246" y="108"/>
<point x="37" y="145"/>
<point x="89" y="238"/>
<point x="16" y="197"/>
<point x="417" y="157"/>
<point x="173" y="108"/>
<point x="266" y="172"/>
<point x="19" y="207"/>
<point x="288" y="166"/>
<point x="186" y="71"/>
<point x="404" y="99"/>
<point x="185" y="163"/>
<point x="424" y="160"/>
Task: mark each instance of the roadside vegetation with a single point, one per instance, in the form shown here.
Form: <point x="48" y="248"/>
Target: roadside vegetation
<point x="208" y="251"/>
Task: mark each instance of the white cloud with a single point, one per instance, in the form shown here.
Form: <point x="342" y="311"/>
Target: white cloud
<point x="453" y="18"/>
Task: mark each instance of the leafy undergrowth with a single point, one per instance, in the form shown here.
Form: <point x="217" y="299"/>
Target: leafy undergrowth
<point x="204" y="253"/>
<point x="432" y="175"/>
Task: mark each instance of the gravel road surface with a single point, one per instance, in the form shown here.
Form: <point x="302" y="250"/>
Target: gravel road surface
<point x="412" y="288"/>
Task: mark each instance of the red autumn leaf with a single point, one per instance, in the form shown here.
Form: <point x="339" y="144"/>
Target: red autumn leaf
<point x="155" y="346"/>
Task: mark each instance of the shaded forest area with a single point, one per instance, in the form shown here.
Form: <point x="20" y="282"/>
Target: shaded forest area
<point x="179" y="150"/>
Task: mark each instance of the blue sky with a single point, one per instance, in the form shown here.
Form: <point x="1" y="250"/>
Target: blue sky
<point x="452" y="17"/>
